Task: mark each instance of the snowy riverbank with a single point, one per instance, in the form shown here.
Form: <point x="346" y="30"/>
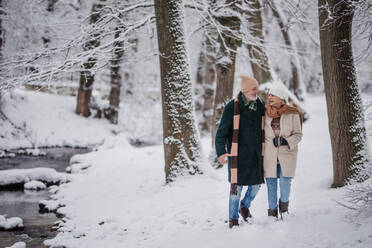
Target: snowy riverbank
<point x="32" y="119"/>
<point x="122" y="200"/>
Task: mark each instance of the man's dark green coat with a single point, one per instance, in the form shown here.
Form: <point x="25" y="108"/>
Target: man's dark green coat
<point x="250" y="147"/>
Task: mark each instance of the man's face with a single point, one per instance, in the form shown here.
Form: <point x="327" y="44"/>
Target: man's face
<point x="252" y="93"/>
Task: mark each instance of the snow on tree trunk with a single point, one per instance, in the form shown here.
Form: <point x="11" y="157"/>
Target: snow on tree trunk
<point x="344" y="104"/>
<point x="181" y="137"/>
<point x="225" y="66"/>
<point x="296" y="84"/>
<point x="111" y="113"/>
<point x="86" y="74"/>
<point x="259" y="60"/>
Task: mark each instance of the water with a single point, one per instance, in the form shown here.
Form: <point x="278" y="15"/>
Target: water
<point x="24" y="204"/>
<point x="57" y="158"/>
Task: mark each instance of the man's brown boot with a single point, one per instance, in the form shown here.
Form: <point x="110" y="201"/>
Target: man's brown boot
<point x="233" y="223"/>
<point x="245" y="213"/>
<point x="273" y="213"/>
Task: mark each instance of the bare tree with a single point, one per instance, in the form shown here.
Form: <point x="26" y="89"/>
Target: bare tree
<point x="112" y="112"/>
<point x="199" y="81"/>
<point x="2" y="13"/>
<point x="344" y="104"/>
<point x="87" y="75"/>
<point x="209" y="81"/>
<point x="295" y="85"/>
<point x="259" y="59"/>
<point x="181" y="139"/>
<point x="226" y="57"/>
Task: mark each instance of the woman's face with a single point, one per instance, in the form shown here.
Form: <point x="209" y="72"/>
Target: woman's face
<point x="274" y="100"/>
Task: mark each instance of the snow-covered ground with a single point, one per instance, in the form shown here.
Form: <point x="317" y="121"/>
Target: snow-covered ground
<point x="121" y="200"/>
<point x="32" y="119"/>
<point x="47" y="120"/>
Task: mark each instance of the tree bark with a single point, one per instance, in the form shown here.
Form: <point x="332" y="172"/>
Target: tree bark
<point x="208" y="83"/>
<point x="198" y="87"/>
<point x="344" y="104"/>
<point x="86" y="74"/>
<point x="260" y="61"/>
<point x="180" y="136"/>
<point x="225" y="67"/>
<point x="2" y="13"/>
<point x="295" y="84"/>
<point x="112" y="112"/>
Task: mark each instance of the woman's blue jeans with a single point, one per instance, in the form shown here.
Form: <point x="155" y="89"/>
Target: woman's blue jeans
<point x="272" y="189"/>
<point x="245" y="202"/>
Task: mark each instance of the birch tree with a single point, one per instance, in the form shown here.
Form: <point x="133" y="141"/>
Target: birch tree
<point x="180" y="136"/>
<point x="345" y="115"/>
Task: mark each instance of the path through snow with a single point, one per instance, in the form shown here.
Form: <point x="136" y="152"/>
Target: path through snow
<point x="121" y="201"/>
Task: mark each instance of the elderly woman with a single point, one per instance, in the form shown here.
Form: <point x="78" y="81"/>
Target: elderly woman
<point x="283" y="131"/>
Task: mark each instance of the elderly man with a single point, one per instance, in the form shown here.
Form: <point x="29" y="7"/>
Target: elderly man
<point x="239" y="138"/>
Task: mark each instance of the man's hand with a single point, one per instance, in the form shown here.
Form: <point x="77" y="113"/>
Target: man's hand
<point x="222" y="158"/>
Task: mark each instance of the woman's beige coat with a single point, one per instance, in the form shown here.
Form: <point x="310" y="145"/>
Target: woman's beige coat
<point x="290" y="129"/>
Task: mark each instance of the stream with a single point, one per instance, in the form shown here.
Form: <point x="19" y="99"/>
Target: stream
<point x="25" y="204"/>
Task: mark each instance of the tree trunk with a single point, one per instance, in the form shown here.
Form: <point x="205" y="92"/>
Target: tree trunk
<point x="2" y="13"/>
<point x="180" y="136"/>
<point x="112" y="112"/>
<point x="198" y="86"/>
<point x="208" y="83"/>
<point x="344" y="104"/>
<point x="295" y="85"/>
<point x="129" y="68"/>
<point x="259" y="60"/>
<point x="86" y="74"/>
<point x="225" y="67"/>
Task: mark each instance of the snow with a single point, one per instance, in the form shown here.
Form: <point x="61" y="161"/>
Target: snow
<point x="49" y="205"/>
<point x="34" y="185"/>
<point x="47" y="120"/>
<point x="47" y="175"/>
<point x="18" y="245"/>
<point x="122" y="200"/>
<point x="10" y="223"/>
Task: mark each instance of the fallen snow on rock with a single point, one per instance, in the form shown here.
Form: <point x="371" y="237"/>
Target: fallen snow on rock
<point x="47" y="175"/>
<point x="77" y="168"/>
<point x="48" y="205"/>
<point x="34" y="185"/>
<point x="10" y="223"/>
<point x="31" y="152"/>
<point x="18" y="245"/>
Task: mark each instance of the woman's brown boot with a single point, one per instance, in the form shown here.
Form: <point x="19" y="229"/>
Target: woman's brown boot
<point x="283" y="208"/>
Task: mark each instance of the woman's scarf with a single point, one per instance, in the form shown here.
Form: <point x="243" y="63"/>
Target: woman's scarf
<point x="275" y="111"/>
